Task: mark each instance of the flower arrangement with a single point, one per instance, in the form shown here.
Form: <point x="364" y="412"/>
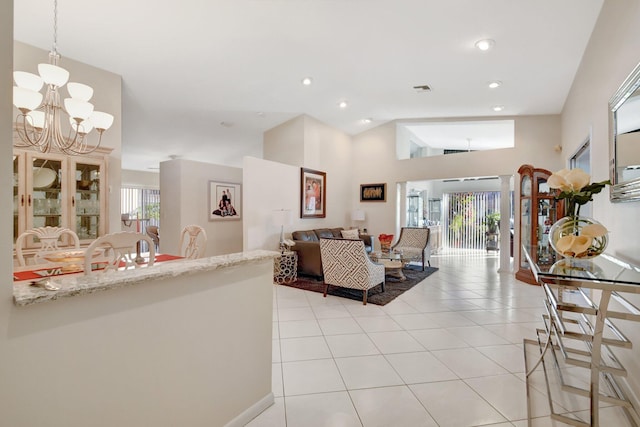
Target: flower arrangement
<point x="575" y="236"/>
<point x="385" y="241"/>
<point x="575" y="188"/>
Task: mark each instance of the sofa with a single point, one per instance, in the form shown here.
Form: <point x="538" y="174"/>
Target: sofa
<point x="307" y="246"/>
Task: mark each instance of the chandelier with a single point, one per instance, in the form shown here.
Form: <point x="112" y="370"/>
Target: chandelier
<point x="39" y="122"/>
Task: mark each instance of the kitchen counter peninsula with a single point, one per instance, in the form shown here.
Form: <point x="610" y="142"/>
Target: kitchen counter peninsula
<point x="79" y="284"/>
<point x="184" y="342"/>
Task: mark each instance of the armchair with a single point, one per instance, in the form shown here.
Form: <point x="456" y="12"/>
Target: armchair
<point x="345" y="263"/>
<point x="414" y="245"/>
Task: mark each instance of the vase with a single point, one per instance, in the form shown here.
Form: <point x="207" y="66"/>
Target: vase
<point x="578" y="237"/>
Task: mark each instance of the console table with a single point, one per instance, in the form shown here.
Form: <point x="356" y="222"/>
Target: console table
<point x="582" y="298"/>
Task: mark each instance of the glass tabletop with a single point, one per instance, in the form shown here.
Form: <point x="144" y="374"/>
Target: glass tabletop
<point x="392" y="255"/>
<point x="604" y="269"/>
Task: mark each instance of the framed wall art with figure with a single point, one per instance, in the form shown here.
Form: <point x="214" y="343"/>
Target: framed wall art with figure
<point x="225" y="201"/>
<point x="313" y="193"/>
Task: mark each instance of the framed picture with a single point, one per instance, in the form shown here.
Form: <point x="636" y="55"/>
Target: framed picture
<point x="373" y="192"/>
<point x="313" y="193"/>
<point x="225" y="201"/>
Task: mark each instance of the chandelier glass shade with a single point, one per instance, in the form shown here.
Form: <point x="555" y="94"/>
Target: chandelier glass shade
<point x="40" y="121"/>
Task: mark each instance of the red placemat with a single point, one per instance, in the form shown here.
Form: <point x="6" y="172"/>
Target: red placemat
<point x="57" y="271"/>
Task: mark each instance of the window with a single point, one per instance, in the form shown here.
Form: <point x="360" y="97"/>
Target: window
<point x="141" y="203"/>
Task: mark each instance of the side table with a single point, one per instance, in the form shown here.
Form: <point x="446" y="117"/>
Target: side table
<point x="285" y="267"/>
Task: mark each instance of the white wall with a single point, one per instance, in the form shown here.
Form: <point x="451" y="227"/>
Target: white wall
<point x="6" y="196"/>
<point x="107" y="97"/>
<point x="612" y="52"/>
<point x="285" y="143"/>
<point x="140" y="179"/>
<point x="375" y="151"/>
<point x="190" y="350"/>
<point x="269" y="186"/>
<point x="275" y="184"/>
<point x="184" y="200"/>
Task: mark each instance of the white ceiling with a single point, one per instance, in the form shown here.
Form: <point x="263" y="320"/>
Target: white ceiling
<point x="188" y="66"/>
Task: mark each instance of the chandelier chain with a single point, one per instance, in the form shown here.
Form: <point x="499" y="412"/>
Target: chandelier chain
<point x="55" y="26"/>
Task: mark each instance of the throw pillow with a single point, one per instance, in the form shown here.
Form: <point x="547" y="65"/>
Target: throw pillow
<point x="350" y="234"/>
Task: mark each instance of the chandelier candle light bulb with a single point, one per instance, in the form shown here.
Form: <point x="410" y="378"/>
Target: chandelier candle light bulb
<point x="574" y="236"/>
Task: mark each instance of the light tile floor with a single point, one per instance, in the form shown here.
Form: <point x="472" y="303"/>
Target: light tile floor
<point x="448" y="352"/>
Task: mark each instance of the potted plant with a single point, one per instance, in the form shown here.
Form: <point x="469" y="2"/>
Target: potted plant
<point x="492" y="222"/>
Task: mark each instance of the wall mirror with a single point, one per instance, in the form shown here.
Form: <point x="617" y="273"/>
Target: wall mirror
<point x="624" y="127"/>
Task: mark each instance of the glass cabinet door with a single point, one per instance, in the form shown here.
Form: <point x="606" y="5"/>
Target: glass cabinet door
<point x="45" y="196"/>
<point x="87" y="198"/>
<point x="525" y="228"/>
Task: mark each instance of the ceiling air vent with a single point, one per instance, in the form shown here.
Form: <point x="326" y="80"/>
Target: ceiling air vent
<point x="422" y="88"/>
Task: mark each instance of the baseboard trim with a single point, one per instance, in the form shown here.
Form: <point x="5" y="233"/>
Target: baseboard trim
<point x="251" y="412"/>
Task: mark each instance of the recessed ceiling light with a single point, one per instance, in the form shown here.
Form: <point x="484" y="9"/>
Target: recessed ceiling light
<point x="343" y="104"/>
<point x="307" y="81"/>
<point x="498" y="108"/>
<point x="485" y="44"/>
<point x="366" y="121"/>
<point x="494" y="84"/>
<point x="260" y="114"/>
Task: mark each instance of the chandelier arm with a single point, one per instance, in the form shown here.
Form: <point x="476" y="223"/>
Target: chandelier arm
<point x="29" y="134"/>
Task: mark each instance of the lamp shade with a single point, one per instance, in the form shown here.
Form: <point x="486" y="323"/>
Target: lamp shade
<point x="101" y="121"/>
<point x="78" y="109"/>
<point x="26" y="99"/>
<point x="79" y="91"/>
<point x="85" y="126"/>
<point x="53" y="75"/>
<point x="28" y="80"/>
<point x="281" y="217"/>
<point x="357" y="215"/>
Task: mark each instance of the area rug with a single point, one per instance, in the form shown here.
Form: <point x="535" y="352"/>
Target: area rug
<point x="393" y="287"/>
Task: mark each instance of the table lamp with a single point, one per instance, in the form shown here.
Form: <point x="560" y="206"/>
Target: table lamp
<point x="281" y="217"/>
<point x="357" y="215"/>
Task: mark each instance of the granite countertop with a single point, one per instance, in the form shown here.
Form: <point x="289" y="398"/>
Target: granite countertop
<point x="79" y="284"/>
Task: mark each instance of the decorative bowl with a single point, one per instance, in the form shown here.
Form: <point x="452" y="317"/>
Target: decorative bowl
<point x="43" y="177"/>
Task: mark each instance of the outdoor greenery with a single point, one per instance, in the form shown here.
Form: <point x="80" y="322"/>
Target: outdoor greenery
<point x="492" y="222"/>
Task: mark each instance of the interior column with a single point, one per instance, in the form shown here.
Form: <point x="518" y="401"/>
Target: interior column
<point x="505" y="215"/>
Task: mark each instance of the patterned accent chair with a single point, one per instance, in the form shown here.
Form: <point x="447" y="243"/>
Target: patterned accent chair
<point x="414" y="245"/>
<point x="49" y="238"/>
<point x="345" y="263"/>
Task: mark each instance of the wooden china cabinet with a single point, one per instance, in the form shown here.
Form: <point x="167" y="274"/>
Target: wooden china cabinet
<point x="538" y="211"/>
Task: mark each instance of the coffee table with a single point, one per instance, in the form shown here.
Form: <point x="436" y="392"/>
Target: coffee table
<point x="393" y="268"/>
<point x="392" y="261"/>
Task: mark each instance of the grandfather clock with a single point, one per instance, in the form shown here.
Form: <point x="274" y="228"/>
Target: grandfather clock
<point x="538" y="211"/>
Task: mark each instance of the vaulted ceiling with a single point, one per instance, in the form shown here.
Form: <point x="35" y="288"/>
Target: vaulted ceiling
<point x="203" y="79"/>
